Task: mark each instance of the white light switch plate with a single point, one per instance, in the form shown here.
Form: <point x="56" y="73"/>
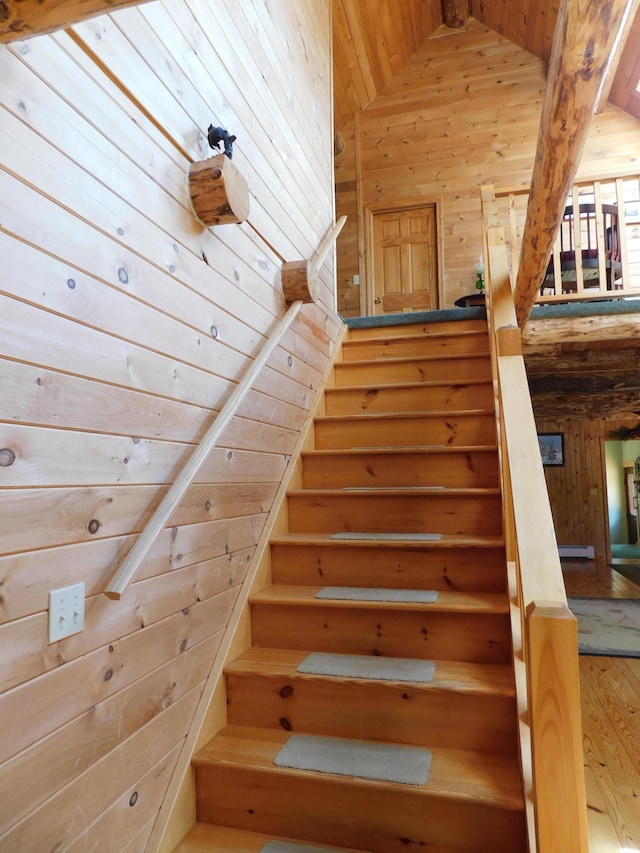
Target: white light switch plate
<point x="66" y="611"/>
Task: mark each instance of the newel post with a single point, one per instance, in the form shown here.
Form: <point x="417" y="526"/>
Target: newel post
<point x="219" y="193"/>
<point x="556" y="730"/>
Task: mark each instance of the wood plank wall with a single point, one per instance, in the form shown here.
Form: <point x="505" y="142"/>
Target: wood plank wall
<point x="578" y="490"/>
<point x="347" y="257"/>
<point x="463" y="111"/>
<point x="125" y="325"/>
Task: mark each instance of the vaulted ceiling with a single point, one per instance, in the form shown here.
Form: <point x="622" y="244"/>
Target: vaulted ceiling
<point x="373" y="39"/>
<point x="588" y="368"/>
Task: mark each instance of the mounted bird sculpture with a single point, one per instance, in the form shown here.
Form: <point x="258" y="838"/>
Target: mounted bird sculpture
<point x="217" y="135"/>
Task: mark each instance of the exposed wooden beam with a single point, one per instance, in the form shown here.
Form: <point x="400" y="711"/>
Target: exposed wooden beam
<point x="585" y="35"/>
<point x="585" y="361"/>
<point x="455" y="13"/>
<point x="541" y="333"/>
<point x="613" y="381"/>
<point x="586" y="406"/>
<point x="21" y="19"/>
<point x="623" y="91"/>
<point x="616" y="55"/>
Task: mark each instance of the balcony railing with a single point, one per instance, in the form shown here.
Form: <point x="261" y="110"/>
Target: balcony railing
<point x="597" y="250"/>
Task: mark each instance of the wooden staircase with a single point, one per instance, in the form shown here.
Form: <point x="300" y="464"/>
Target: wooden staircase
<point x="406" y="446"/>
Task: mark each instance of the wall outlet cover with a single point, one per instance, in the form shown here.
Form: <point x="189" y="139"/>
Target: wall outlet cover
<point x="66" y="611"/>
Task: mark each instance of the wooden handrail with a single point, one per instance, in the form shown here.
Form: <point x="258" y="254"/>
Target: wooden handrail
<point x="131" y="563"/>
<point x="325" y="244"/>
<point x="550" y="694"/>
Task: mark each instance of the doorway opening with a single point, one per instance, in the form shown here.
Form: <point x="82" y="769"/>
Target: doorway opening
<point x="622" y="465"/>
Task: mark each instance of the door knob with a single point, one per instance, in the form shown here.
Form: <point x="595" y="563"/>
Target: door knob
<point x="377" y="300"/>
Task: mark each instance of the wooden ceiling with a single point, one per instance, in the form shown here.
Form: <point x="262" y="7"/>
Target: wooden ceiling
<point x="373" y="39"/>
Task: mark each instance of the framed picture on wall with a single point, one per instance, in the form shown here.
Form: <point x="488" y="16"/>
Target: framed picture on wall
<point x="551" y="448"/>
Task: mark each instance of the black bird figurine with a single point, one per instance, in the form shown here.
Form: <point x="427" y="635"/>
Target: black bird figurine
<point x="216" y="135"/>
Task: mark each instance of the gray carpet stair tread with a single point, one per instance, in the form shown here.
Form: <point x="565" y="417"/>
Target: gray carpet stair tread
<point x="361" y="593"/>
<point x="368" y="666"/>
<point x="404" y="765"/>
<point x="472" y="602"/>
<point x="290" y="847"/>
<point x="387" y="537"/>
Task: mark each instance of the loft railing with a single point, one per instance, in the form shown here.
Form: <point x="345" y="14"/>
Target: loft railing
<point x="597" y="250"/>
<point x="544" y="630"/>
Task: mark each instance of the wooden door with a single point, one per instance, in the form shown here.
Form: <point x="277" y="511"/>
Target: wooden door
<point x="405" y="260"/>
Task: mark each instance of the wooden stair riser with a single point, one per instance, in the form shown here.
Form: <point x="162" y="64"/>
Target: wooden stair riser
<point x="447" y="430"/>
<point x="465" y="343"/>
<point x="472" y="469"/>
<point x="383" y="630"/>
<point x="443" y="397"/>
<point x="413" y="330"/>
<point x="379" y="512"/>
<point x="399" y="567"/>
<point x="428" y="369"/>
<point x="398" y="713"/>
<point x="379" y="817"/>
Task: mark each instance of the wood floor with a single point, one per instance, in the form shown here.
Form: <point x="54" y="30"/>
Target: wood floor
<point x="610" y="721"/>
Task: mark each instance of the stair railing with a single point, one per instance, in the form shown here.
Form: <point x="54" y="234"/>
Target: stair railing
<point x="544" y="630"/>
<point x="297" y="290"/>
<point x="131" y="563"/>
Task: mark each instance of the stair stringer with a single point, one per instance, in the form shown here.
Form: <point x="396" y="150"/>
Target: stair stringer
<point x="178" y="811"/>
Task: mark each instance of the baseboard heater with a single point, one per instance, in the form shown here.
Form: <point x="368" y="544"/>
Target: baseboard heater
<point x="585" y="551"/>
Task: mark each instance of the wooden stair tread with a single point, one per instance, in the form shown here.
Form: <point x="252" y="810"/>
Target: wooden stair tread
<point x="403" y="386"/>
<point x="481" y="602"/>
<point x="418" y="329"/>
<point x="411" y="359"/>
<point x="447" y="541"/>
<point x="470" y="678"/>
<point x="455" y="773"/>
<point x="207" y="838"/>
<point x="422" y="450"/>
<point x="391" y="416"/>
<point x="436" y="334"/>
<point x="401" y="491"/>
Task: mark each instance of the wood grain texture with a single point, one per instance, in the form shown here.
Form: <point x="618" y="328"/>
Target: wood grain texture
<point x="583" y="42"/>
<point x="464" y="110"/>
<point x="127" y="325"/>
<point x="375" y="809"/>
<point x="552" y="643"/>
<point x="20" y="19"/>
<point x="578" y="491"/>
<point x="528" y="25"/>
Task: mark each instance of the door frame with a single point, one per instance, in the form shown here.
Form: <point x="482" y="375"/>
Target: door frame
<point x="372" y="210"/>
